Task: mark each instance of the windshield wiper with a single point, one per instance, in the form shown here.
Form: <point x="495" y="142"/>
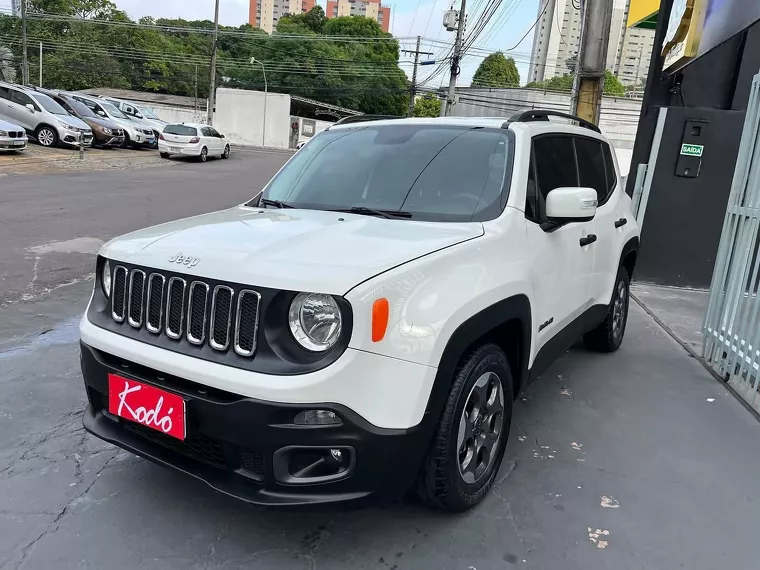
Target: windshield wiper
<point x="275" y="203"/>
<point x="389" y="214"/>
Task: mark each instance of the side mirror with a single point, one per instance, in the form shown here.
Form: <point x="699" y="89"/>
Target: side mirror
<point x="30" y="107"/>
<point x="221" y="136"/>
<point x="571" y="205"/>
<point x="101" y="113"/>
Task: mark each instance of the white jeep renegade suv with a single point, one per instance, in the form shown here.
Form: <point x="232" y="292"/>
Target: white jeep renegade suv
<point x="363" y="325"/>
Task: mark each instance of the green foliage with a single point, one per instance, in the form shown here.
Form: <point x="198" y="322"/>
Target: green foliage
<point x="362" y="75"/>
<point x="612" y="85"/>
<point x="427" y="106"/>
<point x="497" y="71"/>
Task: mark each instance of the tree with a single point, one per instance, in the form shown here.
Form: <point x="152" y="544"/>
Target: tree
<point x="498" y="71"/>
<point x="7" y="70"/>
<point x="427" y="106"/>
<point x="612" y="85"/>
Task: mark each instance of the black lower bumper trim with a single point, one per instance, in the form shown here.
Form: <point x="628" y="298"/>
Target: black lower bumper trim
<point x="233" y="442"/>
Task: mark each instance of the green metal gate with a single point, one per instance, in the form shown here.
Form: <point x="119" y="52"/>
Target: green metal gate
<point x="732" y="323"/>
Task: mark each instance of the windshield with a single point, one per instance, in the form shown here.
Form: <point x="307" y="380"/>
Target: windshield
<point x="49" y="104"/>
<point x="80" y="108"/>
<point x="437" y="173"/>
<point x="111" y="110"/>
<point x="147" y="113"/>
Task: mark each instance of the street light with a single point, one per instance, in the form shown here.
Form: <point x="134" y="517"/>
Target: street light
<point x="264" y="127"/>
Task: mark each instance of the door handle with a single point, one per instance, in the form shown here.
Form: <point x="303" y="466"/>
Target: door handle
<point x="620" y="223"/>
<point x="588" y="240"/>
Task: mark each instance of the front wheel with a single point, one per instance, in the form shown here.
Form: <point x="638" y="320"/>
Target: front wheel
<point x="608" y="336"/>
<point x="164" y="155"/>
<point x="47" y="136"/>
<point x="226" y="153"/>
<point x="469" y="443"/>
<point x="127" y="142"/>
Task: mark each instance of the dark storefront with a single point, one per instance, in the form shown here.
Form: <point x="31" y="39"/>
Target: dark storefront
<point x="712" y="52"/>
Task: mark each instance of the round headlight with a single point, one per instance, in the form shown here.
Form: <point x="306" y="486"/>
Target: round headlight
<point x="106" y="279"/>
<point x="315" y="321"/>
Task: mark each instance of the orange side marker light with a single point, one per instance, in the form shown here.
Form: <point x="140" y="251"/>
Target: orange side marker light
<point x="380" y="312"/>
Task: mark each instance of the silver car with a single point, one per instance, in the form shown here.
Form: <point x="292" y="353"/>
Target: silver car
<point x="40" y="115"/>
<point x="136" y="133"/>
<point x="12" y="137"/>
<point x="139" y="112"/>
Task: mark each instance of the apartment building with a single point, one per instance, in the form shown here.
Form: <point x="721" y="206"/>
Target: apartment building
<point x="368" y="8"/>
<point x="16" y="8"/>
<point x="265" y="14"/>
<point x="557" y="36"/>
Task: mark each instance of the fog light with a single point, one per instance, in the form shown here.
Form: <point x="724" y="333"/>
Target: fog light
<point x="316" y="418"/>
<point x="337" y="455"/>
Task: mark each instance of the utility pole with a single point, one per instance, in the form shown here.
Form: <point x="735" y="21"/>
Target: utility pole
<point x="588" y="86"/>
<point x="24" y="55"/>
<point x="456" y="57"/>
<point x="196" y="92"/>
<point x="212" y="80"/>
<point x="413" y="87"/>
<point x="40" y="64"/>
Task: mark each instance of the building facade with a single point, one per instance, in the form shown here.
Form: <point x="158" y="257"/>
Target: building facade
<point x="557" y="36"/>
<point x="368" y="8"/>
<point x="265" y="14"/>
<point x="16" y="8"/>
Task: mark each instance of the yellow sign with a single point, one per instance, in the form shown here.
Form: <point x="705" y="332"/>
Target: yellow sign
<point x="684" y="31"/>
<point x="640" y="10"/>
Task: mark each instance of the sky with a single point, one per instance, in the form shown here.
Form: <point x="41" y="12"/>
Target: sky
<point x="408" y="18"/>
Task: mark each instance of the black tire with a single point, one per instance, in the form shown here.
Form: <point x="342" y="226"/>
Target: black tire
<point x="204" y="155"/>
<point x="441" y="482"/>
<point x="226" y="152"/>
<point x="608" y="336"/>
<point x="126" y="142"/>
<point x="46" y="136"/>
<point x="165" y="155"/>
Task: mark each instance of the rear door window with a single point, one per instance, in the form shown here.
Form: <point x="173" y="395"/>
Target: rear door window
<point x="610" y="168"/>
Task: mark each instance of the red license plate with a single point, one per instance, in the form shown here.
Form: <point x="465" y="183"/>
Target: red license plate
<point x="146" y="405"/>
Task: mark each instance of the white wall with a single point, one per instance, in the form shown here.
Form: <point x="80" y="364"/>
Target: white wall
<point x="178" y="114"/>
<point x="240" y="117"/>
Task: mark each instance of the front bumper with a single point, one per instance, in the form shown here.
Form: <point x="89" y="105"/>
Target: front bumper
<point x="71" y="138"/>
<point x="13" y="144"/>
<point x="144" y="140"/>
<point x="110" y="141"/>
<point x="242" y="447"/>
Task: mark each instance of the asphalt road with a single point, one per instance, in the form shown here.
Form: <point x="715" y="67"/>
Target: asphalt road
<point x="633" y="460"/>
<point x="50" y="225"/>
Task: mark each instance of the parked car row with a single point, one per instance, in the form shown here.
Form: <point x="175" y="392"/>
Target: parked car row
<point x="61" y="118"/>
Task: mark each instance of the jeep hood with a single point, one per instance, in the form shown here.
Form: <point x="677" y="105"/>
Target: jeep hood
<point x="298" y="250"/>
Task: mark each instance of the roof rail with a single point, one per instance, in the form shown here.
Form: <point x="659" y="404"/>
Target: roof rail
<point x="543" y="115"/>
<point x="365" y="118"/>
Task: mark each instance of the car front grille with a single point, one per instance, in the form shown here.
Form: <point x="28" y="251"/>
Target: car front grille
<point x="187" y="310"/>
<point x="16" y="134"/>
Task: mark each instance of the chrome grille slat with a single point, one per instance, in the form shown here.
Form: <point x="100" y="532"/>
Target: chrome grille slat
<point x="136" y="298"/>
<point x="175" y="307"/>
<point x="119" y="293"/>
<point x="221" y="317"/>
<point x="247" y="322"/>
<point x="155" y="305"/>
<point x="196" y="313"/>
<point x="225" y="316"/>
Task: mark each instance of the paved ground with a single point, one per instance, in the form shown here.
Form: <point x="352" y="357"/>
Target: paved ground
<point x="51" y="224"/>
<point x="633" y="460"/>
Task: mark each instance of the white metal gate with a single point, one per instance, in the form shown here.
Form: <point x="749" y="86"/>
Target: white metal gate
<point x="732" y="323"/>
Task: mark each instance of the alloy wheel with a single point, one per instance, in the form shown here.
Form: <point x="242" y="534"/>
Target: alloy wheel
<point x="480" y="427"/>
<point x="204" y="154"/>
<point x="618" y="309"/>
<point x="46" y="137"/>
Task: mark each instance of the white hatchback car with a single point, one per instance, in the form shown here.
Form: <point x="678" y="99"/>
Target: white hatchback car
<point x="189" y="139"/>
